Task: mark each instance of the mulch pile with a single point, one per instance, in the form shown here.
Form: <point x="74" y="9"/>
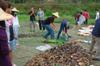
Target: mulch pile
<point x="70" y="54"/>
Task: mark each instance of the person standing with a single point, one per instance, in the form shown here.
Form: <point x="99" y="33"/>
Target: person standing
<point x="15" y="25"/>
<point x="81" y="20"/>
<point x="77" y="15"/>
<point x="40" y="15"/>
<point x="49" y="25"/>
<point x="87" y="16"/>
<point x="32" y="19"/>
<point x="96" y="39"/>
<point x="12" y="44"/>
<point x="5" y="59"/>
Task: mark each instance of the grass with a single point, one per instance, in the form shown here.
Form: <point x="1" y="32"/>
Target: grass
<point x="26" y="50"/>
<point x="25" y="18"/>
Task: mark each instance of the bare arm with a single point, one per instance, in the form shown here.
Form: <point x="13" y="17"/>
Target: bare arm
<point x="53" y="26"/>
<point x="32" y="13"/>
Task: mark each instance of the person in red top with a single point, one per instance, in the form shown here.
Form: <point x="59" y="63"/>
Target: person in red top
<point x="86" y="15"/>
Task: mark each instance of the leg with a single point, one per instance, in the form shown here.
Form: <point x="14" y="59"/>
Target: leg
<point x="93" y="43"/>
<point x="48" y="31"/>
<point x="59" y="33"/>
<point x="52" y="33"/>
<point x="30" y="25"/>
<point x="33" y="24"/>
<point x="40" y="24"/>
<point x="43" y="27"/>
<point x="16" y="32"/>
<point x="97" y="47"/>
<point x="86" y="21"/>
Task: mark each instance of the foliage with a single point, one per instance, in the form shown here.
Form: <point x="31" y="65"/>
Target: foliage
<point x="55" y="1"/>
<point x="63" y="9"/>
<point x="66" y="10"/>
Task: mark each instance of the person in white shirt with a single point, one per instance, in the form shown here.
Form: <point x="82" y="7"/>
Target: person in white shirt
<point x="40" y="15"/>
<point x="15" y="24"/>
<point x="81" y="20"/>
<point x="97" y="15"/>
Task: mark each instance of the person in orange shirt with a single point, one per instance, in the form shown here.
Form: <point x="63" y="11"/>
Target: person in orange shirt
<point x="87" y="16"/>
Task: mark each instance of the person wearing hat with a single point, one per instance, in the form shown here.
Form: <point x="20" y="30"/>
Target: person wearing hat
<point x="5" y="59"/>
<point x="12" y="29"/>
<point x="49" y="25"/>
<point x="15" y="26"/>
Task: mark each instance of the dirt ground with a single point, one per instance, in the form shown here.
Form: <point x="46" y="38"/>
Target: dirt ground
<point x="26" y="48"/>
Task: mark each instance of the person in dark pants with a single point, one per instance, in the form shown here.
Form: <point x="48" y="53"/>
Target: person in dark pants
<point x="96" y="39"/>
<point x="49" y="25"/>
<point x="77" y="15"/>
<point x="16" y="25"/>
<point x="32" y="19"/>
<point x="87" y="16"/>
<point x="5" y="59"/>
<point x="40" y="15"/>
<point x="63" y="27"/>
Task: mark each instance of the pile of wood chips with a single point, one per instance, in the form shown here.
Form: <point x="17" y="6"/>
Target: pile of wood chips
<point x="70" y="54"/>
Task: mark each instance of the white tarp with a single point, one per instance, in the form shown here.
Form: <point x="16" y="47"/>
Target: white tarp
<point x="86" y="31"/>
<point x="44" y="47"/>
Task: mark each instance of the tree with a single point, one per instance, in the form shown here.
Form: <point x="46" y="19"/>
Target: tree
<point x="18" y="1"/>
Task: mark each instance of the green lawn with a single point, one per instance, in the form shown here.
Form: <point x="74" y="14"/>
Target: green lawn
<point x="25" y="18"/>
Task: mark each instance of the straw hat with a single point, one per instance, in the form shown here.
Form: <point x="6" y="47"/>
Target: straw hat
<point x="56" y="14"/>
<point x="4" y="15"/>
<point x="14" y="9"/>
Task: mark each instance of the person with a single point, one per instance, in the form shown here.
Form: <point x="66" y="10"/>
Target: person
<point x="12" y="44"/>
<point x="5" y="59"/>
<point x="87" y="16"/>
<point x="96" y="39"/>
<point x="40" y="15"/>
<point x="97" y="15"/>
<point x="81" y="20"/>
<point x="49" y="25"/>
<point x="32" y="19"/>
<point x="63" y="27"/>
<point x="77" y="15"/>
<point x="15" y="25"/>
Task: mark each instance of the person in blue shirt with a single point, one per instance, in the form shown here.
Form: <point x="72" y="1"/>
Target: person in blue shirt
<point x="63" y="27"/>
<point x="96" y="39"/>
